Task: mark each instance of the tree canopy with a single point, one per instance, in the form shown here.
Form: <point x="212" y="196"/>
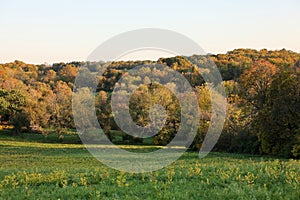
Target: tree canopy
<point x="262" y="88"/>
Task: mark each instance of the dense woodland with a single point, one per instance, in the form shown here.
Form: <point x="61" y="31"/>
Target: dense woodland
<point x="262" y="87"/>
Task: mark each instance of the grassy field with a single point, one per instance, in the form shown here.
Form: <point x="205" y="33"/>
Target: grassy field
<point x="39" y="170"/>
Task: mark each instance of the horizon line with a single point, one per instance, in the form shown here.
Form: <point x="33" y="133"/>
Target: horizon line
<point x="134" y="60"/>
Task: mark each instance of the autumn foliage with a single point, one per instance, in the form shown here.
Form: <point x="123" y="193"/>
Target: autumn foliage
<point x="262" y="89"/>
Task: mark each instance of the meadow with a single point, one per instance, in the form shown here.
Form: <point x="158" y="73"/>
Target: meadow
<point x="33" y="169"/>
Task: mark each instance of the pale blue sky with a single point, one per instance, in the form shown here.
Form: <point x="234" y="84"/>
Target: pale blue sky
<point x="65" y="30"/>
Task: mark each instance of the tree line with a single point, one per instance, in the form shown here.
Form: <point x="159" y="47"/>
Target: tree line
<point x="262" y="88"/>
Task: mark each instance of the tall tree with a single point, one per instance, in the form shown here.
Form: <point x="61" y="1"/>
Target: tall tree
<point x="256" y="81"/>
<point x="280" y="118"/>
<point x="60" y="108"/>
<point x="11" y="105"/>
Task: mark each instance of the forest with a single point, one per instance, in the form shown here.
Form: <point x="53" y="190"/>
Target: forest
<point x="262" y="89"/>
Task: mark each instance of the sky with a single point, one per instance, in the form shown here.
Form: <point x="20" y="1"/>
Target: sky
<point x="65" y="30"/>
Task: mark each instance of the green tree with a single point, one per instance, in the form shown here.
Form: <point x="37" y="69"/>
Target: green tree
<point x="11" y="102"/>
<point x="280" y="118"/>
<point x="11" y="105"/>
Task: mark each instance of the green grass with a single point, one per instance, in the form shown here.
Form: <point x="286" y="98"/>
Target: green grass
<point x="69" y="137"/>
<point x="36" y="170"/>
